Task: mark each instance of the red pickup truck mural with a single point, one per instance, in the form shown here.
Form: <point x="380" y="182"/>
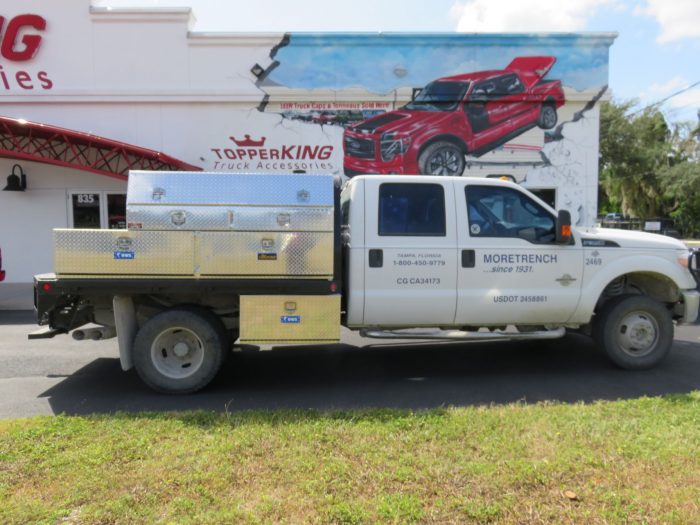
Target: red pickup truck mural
<point x="455" y="116"/>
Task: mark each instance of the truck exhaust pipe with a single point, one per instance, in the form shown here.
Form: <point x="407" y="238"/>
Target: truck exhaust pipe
<point x="95" y="334"/>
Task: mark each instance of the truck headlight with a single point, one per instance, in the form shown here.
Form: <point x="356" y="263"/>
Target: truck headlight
<point x="392" y="143"/>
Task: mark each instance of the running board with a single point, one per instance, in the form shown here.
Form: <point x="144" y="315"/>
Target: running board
<point x="459" y="335"/>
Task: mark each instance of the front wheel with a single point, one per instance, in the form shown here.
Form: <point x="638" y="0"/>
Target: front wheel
<point x="181" y="350"/>
<point x="441" y="158"/>
<point x="635" y="331"/>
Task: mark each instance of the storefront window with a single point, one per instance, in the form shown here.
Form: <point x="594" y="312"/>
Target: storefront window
<point x="86" y="210"/>
<point x="94" y="210"/>
<point x="116" y="211"/>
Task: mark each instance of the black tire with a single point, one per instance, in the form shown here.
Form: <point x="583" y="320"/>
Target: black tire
<point x="635" y="331"/>
<point x="548" y="116"/>
<point x="181" y="350"/>
<point x="441" y="158"/>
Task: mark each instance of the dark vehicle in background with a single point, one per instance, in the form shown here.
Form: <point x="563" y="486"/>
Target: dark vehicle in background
<point x="614" y="216"/>
<point x="456" y="116"/>
<point x="2" y="272"/>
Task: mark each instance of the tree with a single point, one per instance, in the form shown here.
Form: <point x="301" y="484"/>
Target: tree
<point x="633" y="149"/>
<point x="681" y="180"/>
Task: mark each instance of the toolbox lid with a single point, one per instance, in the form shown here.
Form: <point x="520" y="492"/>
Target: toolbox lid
<point x="216" y="188"/>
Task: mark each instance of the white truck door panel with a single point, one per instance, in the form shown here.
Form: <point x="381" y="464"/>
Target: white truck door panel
<point x="511" y="271"/>
<point x="410" y="253"/>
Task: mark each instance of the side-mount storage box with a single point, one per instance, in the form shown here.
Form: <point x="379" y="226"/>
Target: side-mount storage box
<point x="290" y="319"/>
<point x="122" y="253"/>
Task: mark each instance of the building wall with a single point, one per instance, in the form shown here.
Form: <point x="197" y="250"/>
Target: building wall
<point x="28" y="218"/>
<point x="234" y="102"/>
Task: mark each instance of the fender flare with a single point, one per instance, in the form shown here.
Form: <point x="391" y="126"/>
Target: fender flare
<point x="626" y="265"/>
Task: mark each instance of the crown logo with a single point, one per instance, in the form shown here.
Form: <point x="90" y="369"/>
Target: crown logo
<point x="247" y="142"/>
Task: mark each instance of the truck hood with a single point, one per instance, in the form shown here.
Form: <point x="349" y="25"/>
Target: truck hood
<point x="531" y="69"/>
<point x="403" y="121"/>
<point x="630" y="239"/>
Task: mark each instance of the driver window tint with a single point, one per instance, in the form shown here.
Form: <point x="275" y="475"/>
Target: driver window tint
<point x="504" y="212"/>
<point x="412" y="209"/>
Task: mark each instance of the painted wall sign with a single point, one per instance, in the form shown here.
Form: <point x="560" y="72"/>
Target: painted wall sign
<point x="20" y="39"/>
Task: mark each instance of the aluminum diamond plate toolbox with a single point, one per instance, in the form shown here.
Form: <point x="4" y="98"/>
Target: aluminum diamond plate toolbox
<point x="290" y="319"/>
<point x="295" y="254"/>
<point x="229" y="201"/>
<point x="233" y="218"/>
<point x="115" y="253"/>
<point x="121" y="252"/>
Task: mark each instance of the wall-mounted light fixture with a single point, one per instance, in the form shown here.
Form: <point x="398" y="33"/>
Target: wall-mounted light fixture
<point x="17" y="180"/>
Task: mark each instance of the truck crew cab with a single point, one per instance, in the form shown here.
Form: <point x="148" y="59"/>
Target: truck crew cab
<point x="209" y="258"/>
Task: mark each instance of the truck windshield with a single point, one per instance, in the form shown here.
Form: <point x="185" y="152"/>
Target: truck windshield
<point x="439" y="96"/>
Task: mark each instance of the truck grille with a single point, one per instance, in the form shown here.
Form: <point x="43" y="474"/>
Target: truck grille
<point x="360" y="148"/>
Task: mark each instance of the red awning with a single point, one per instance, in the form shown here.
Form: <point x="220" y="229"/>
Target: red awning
<point x="24" y="140"/>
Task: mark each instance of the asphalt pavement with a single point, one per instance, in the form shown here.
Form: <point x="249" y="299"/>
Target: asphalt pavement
<point x="61" y="375"/>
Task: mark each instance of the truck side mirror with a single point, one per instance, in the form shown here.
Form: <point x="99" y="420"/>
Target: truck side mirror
<point x="563" y="227"/>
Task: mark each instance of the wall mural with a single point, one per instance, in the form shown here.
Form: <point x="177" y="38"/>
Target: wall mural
<point x="451" y="117"/>
<point x="452" y="104"/>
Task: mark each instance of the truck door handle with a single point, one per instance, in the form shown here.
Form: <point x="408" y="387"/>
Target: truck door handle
<point x="376" y="258"/>
<point x="468" y="259"/>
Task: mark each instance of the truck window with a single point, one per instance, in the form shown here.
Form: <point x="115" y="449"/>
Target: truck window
<point x="439" y="96"/>
<point x="510" y="85"/>
<point x="345" y="207"/>
<point x="412" y="209"/>
<point x="504" y="212"/>
<point x="484" y="91"/>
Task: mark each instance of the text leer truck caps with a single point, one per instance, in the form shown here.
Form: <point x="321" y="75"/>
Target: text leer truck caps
<point x="212" y="258"/>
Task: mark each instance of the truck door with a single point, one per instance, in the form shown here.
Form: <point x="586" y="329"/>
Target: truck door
<point x="511" y="271"/>
<point x="410" y="253"/>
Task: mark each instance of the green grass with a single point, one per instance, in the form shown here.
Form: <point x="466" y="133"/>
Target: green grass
<point x="634" y="461"/>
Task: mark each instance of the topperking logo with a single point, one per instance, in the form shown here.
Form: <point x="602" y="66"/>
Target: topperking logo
<point x="249" y="154"/>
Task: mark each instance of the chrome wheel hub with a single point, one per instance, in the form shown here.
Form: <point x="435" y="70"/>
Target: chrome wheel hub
<point x="444" y="162"/>
<point x="177" y="353"/>
<point x="638" y="334"/>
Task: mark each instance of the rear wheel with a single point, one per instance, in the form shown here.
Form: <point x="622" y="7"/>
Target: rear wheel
<point x="441" y="158"/>
<point x="548" y="116"/>
<point x="181" y="350"/>
<point x="635" y="331"/>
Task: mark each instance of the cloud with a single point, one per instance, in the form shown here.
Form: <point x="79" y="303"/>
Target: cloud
<point x="678" y="19"/>
<point x="681" y="107"/>
<point x="687" y="99"/>
<point x="525" y="15"/>
<point x="659" y="90"/>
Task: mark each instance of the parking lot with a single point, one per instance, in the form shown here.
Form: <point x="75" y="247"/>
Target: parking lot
<point x="61" y="375"/>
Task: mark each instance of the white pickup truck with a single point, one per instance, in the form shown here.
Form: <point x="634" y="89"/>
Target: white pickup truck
<point x="209" y="258"/>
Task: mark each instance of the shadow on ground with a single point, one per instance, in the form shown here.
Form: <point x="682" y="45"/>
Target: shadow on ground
<point x="11" y="317"/>
<point x="413" y="376"/>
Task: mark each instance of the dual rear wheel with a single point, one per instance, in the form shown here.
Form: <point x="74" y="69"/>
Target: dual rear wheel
<point x="180" y="351"/>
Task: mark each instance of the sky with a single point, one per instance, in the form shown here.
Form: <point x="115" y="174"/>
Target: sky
<point x="655" y="56"/>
